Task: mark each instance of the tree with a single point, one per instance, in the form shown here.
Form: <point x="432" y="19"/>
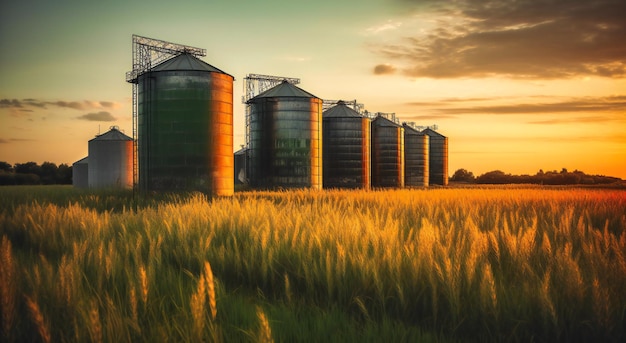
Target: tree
<point x="64" y="174"/>
<point x="48" y="173"/>
<point x="462" y="175"/>
<point x="495" y="177"/>
<point x="27" y="168"/>
<point x="6" y="167"/>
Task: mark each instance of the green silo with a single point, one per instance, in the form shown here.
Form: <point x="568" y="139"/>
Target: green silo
<point x="185" y="127"/>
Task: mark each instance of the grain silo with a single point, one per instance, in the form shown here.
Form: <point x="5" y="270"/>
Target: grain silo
<point x="438" y="157"/>
<point x="346" y="148"/>
<point x="387" y="153"/>
<point x="185" y="127"/>
<point x="285" y="138"/>
<point x="416" y="145"/>
<point x="80" y="173"/>
<point x="110" y="160"/>
<point x="241" y="156"/>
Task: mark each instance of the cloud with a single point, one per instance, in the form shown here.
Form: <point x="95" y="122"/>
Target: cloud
<point x="430" y="117"/>
<point x="570" y="105"/>
<point x="13" y="140"/>
<point x="76" y="105"/>
<point x="97" y="116"/>
<point x="384" y="69"/>
<point x="591" y="119"/>
<point x="10" y="103"/>
<point x="520" y="39"/>
<point x="73" y="104"/>
<point x="389" y="25"/>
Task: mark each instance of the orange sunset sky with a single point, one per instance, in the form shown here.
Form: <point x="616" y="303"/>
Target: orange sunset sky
<point x="516" y="85"/>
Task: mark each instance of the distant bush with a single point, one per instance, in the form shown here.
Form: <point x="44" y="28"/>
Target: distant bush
<point x="30" y="173"/>
<point x="564" y="177"/>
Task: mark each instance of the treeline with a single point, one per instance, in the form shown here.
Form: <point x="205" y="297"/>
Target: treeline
<point x="31" y="173"/>
<point x="564" y="177"/>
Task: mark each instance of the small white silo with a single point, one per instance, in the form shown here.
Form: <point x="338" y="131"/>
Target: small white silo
<point x="80" y="172"/>
<point x="111" y="160"/>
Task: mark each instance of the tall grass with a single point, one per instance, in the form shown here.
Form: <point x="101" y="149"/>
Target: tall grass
<point x="477" y="264"/>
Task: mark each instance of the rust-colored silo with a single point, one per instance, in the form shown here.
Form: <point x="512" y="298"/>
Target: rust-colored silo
<point x="387" y="153"/>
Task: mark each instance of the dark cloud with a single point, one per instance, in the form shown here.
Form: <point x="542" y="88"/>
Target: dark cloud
<point x="542" y="39"/>
<point x="429" y="117"/>
<point x="98" y="116"/>
<point x="572" y="105"/>
<point x="383" y="69"/>
<point x="76" y="105"/>
<point x="591" y="119"/>
<point x="10" y="103"/>
<point x="13" y="140"/>
<point x="72" y="104"/>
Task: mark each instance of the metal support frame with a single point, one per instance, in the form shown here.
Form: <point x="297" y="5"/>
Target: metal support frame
<point x="255" y="84"/>
<point x="412" y="124"/>
<point x="391" y="116"/>
<point x="350" y="103"/>
<point x="146" y="53"/>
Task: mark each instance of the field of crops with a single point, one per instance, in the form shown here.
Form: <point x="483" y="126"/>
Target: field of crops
<point x="475" y="264"/>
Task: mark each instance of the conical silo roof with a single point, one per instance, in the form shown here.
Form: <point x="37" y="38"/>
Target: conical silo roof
<point x="285" y="89"/>
<point x="410" y="130"/>
<point x="186" y="61"/>
<point x="83" y="160"/>
<point x="341" y="110"/>
<point x="432" y="133"/>
<point x="382" y="121"/>
<point x="112" y="135"/>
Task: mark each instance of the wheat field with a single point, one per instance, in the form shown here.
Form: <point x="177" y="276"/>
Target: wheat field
<point x="487" y="264"/>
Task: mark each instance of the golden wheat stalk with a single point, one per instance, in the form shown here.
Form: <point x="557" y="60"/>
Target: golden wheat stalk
<point x="95" y="326"/>
<point x="197" y="304"/>
<point x="210" y="283"/>
<point x="38" y="319"/>
<point x="143" y="278"/>
<point x="7" y="286"/>
<point x="265" y="332"/>
<point x="133" y="305"/>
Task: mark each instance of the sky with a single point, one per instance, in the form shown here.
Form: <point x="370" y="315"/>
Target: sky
<point x="515" y="85"/>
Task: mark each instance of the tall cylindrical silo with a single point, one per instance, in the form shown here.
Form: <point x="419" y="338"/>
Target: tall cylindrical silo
<point x="110" y="160"/>
<point x="80" y="173"/>
<point x="185" y="127"/>
<point x="285" y="138"/>
<point x="438" y="156"/>
<point x="346" y="148"/>
<point x="387" y="153"/>
<point x="416" y="145"/>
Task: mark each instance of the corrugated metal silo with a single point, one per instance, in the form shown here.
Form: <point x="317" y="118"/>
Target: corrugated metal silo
<point x="387" y="153"/>
<point x="285" y="138"/>
<point x="110" y="160"/>
<point x="416" y="145"/>
<point x="240" y="166"/>
<point x="438" y="156"/>
<point x="185" y="127"/>
<point x="80" y="173"/>
<point x="346" y="148"/>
